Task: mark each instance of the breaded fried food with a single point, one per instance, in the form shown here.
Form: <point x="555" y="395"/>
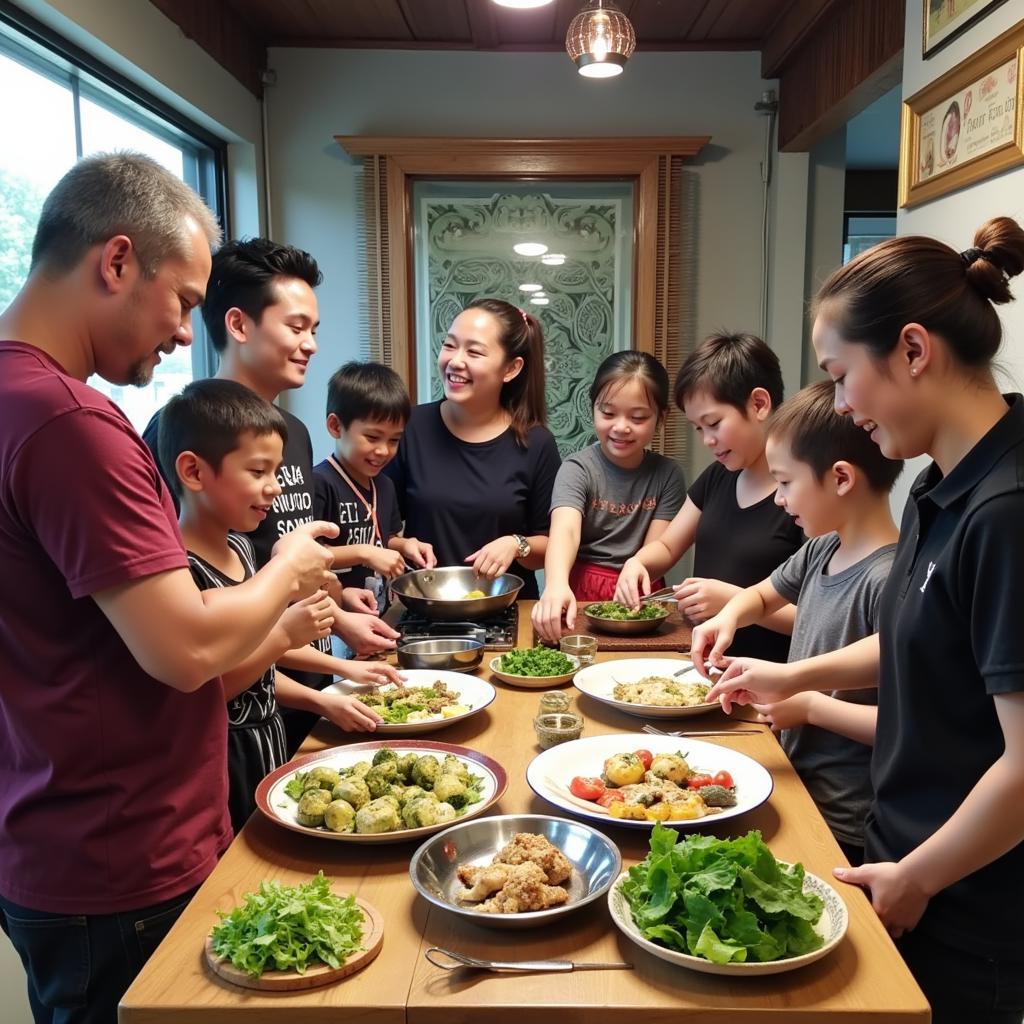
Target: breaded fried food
<point x="525" y="890"/>
<point x="526" y="848"/>
<point x="481" y="882"/>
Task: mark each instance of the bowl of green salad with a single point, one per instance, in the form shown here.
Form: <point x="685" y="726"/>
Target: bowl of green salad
<point x="613" y="617"/>
<point x="534" y="668"/>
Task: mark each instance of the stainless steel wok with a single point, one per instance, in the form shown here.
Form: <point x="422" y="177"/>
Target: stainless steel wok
<point x="441" y="593"/>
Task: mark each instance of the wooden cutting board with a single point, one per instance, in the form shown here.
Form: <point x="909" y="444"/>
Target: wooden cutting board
<point x="671" y="635"/>
<point x="324" y="974"/>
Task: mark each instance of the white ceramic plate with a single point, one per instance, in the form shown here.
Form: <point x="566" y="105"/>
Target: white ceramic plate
<point x="471" y="691"/>
<point x="533" y="682"/>
<point x="598" y="681"/>
<point x="831" y="927"/>
<point x="280" y="808"/>
<point x="550" y="773"/>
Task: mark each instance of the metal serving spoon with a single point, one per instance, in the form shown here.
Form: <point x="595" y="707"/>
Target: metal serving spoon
<point x="513" y="966"/>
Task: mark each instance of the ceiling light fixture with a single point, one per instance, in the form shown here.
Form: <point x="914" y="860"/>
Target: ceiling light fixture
<point x="522" y="4"/>
<point x="540" y="300"/>
<point x="529" y="248"/>
<point x="553" y="259"/>
<point x="530" y="287"/>
<point x="600" y="40"/>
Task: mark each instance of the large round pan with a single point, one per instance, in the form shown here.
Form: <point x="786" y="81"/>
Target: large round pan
<point x="441" y="593"/>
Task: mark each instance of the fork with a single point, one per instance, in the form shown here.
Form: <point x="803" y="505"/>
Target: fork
<point x="443" y="958"/>
<point x="705" y="732"/>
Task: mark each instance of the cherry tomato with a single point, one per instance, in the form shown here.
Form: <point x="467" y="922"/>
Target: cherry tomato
<point x="606" y="798"/>
<point x="724" y="779"/>
<point x="698" y="781"/>
<point x="586" y="788"/>
<point x="646" y="757"/>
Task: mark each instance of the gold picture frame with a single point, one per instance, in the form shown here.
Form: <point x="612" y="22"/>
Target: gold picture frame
<point x="943" y="20"/>
<point x="966" y="125"/>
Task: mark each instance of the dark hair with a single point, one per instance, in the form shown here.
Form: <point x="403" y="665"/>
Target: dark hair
<point x="621" y="367"/>
<point x="729" y="367"/>
<point x="915" y="279"/>
<point x="119" y="194"/>
<point x="820" y="436"/>
<point x="368" y="391"/>
<point x="521" y="336"/>
<point x="244" y="274"/>
<point x="209" y="418"/>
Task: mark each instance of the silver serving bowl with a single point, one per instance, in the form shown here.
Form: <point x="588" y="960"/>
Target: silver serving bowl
<point x="441" y="593"/>
<point x="626" y="627"/>
<point x="451" y="654"/>
<point x="595" y="860"/>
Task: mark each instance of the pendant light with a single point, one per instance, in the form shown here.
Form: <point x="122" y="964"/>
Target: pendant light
<point x="522" y="4"/>
<point x="600" y="39"/>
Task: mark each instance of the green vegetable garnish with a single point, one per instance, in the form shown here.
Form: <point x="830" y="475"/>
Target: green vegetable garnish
<point x="535" y="661"/>
<point x="290" y="928"/>
<point x="296" y="785"/>
<point x="614" y="610"/>
<point x="727" y="900"/>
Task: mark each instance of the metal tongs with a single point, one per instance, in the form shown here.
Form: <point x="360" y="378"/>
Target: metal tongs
<point x="658" y="595"/>
<point x="457" y="960"/>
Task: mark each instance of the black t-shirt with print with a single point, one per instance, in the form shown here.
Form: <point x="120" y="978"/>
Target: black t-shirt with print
<point x="459" y="496"/>
<point x="742" y="546"/>
<point x="336" y="502"/>
<point x="951" y="640"/>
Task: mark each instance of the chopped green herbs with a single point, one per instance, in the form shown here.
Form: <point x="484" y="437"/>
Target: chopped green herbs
<point x="727" y="900"/>
<point x="614" y="610"/>
<point x="536" y="661"/>
<point x="290" y="928"/>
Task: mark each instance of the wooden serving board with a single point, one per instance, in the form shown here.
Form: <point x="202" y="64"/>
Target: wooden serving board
<point x="292" y="981"/>
<point x="671" y="635"/>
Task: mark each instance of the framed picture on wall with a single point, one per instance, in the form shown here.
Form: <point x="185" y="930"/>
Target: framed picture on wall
<point x="943" y="20"/>
<point x="967" y="125"/>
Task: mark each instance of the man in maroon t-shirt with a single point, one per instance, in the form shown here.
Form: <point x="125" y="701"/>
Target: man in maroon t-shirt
<point x="112" y="718"/>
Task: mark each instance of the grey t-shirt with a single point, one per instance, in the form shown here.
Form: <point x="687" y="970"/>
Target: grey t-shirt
<point x="617" y="504"/>
<point x="833" y="611"/>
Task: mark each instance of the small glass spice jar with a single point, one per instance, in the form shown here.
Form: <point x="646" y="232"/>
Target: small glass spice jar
<point x="580" y="646"/>
<point x="557" y="727"/>
<point x="554" y="701"/>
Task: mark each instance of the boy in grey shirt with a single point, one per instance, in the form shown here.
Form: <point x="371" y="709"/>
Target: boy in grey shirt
<point x="835" y="482"/>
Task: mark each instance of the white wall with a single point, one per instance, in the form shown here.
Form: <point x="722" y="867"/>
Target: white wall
<point x="321" y="93"/>
<point x="955" y="216"/>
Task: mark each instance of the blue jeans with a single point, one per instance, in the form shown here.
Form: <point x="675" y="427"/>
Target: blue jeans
<point x="965" y="987"/>
<point x="79" y="966"/>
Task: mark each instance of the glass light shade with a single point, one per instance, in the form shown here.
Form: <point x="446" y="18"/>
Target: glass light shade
<point x="600" y="39"/>
<point x="529" y="248"/>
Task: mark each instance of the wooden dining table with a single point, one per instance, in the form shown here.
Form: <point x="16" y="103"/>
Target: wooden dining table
<point x="862" y="980"/>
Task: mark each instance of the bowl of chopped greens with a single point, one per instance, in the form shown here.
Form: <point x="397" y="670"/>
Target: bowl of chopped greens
<point x="612" y="617"/>
<point x="381" y="792"/>
<point x="535" y="667"/>
<point x="425" y="702"/>
<point x="726" y="906"/>
<point x="318" y="936"/>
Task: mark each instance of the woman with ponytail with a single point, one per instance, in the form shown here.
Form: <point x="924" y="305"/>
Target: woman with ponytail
<point x="474" y="471"/>
<point x="908" y="331"/>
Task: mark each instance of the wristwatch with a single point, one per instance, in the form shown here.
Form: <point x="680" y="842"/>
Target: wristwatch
<point x="522" y="545"/>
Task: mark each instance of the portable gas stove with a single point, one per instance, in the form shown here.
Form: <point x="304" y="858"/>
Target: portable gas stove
<point x="496" y="633"/>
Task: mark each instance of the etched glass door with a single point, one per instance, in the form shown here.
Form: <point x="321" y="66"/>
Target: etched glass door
<point x="579" y="288"/>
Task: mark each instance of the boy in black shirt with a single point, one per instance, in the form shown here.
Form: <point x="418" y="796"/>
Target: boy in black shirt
<point x="367" y="409"/>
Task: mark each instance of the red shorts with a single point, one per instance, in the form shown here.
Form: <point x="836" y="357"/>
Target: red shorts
<point x="590" y="582"/>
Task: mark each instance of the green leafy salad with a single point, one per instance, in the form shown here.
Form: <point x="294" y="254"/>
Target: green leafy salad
<point x="290" y="928"/>
<point x="536" y="661"/>
<point x="614" y="610"/>
<point x="398" y="705"/>
<point x="727" y="900"/>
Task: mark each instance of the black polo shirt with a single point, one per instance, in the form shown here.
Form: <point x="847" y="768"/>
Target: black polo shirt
<point x="952" y="638"/>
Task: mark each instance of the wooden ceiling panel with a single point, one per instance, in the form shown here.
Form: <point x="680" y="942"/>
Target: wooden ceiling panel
<point x="439" y="21"/>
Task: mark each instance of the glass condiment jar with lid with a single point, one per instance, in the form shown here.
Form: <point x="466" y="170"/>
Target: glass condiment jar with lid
<point x="554" y="701"/>
<point x="555" y="727"/>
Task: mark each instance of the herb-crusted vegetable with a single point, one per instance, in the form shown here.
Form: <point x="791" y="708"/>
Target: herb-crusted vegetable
<point x="727" y="900"/>
<point x="289" y="928"/>
<point x="614" y="610"/>
<point x="535" y="661"/>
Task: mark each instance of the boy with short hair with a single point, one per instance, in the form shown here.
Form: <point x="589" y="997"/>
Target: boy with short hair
<point x="727" y="388"/>
<point x="222" y="445"/>
<point x="835" y="482"/>
<point x="367" y="409"/>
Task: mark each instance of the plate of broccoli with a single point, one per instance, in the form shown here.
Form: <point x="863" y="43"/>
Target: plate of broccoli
<point x="535" y="667"/>
<point x="381" y="792"/>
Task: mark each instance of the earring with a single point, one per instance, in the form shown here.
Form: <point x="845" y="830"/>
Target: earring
<point x="913" y="373"/>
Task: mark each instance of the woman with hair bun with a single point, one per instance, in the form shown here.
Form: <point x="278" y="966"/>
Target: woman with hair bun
<point x="908" y="331"/>
<point x="474" y="472"/>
